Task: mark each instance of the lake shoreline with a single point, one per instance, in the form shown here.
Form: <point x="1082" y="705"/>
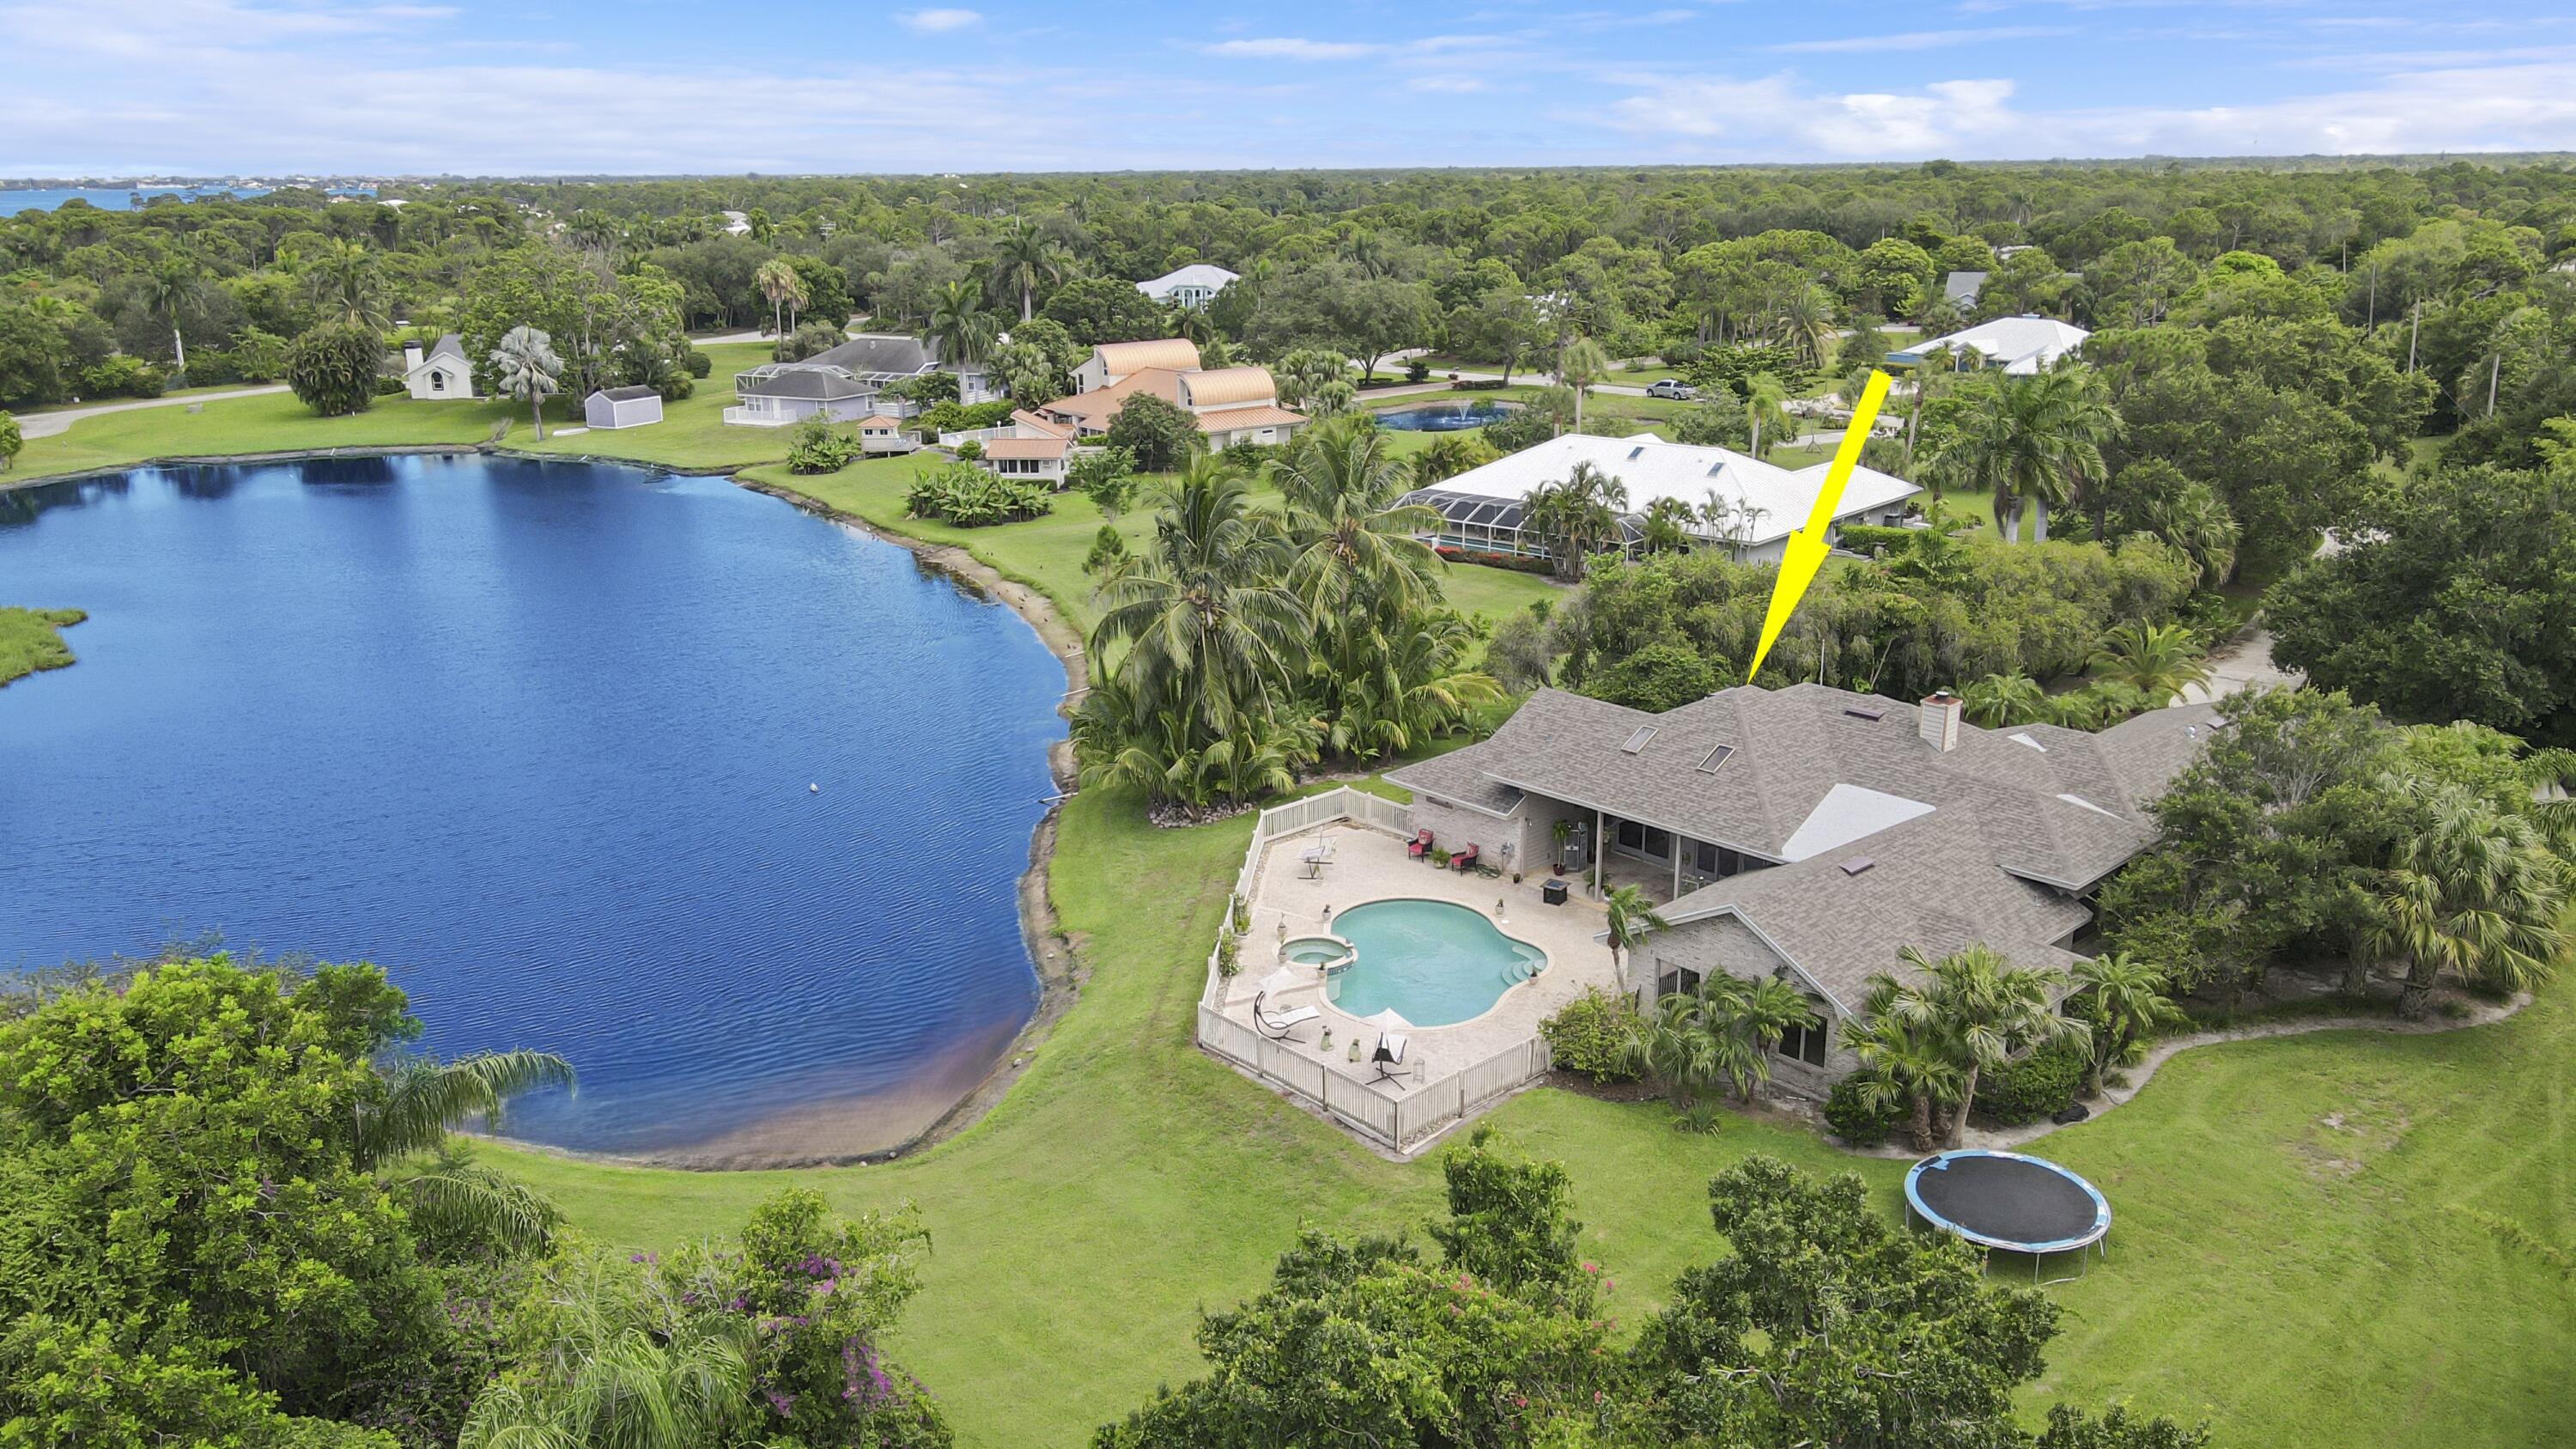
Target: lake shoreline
<point x="1052" y="953"/>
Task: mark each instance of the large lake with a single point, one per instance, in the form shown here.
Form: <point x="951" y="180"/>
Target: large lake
<point x="537" y="738"/>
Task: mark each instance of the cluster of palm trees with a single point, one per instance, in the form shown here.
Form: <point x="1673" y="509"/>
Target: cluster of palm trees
<point x="2139" y="666"/>
<point x="1925" y="1041"/>
<point x="2034" y="439"/>
<point x="2474" y="892"/>
<point x="1721" y="1034"/>
<point x="1242" y="643"/>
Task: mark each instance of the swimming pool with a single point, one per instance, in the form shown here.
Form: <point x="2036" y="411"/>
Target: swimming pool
<point x="1442" y="417"/>
<point x="1435" y="963"/>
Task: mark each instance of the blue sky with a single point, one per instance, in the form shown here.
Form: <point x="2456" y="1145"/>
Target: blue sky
<point x="472" y="86"/>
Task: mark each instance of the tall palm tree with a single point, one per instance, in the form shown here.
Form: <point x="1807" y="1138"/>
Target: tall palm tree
<point x="2031" y="439"/>
<point x="1352" y="538"/>
<point x="343" y="279"/>
<point x="1766" y="400"/>
<point x="960" y="326"/>
<point x="1806" y="322"/>
<point x="411" y="1116"/>
<point x="1023" y="258"/>
<point x="778" y="281"/>
<point x="525" y="366"/>
<point x="2157" y="660"/>
<point x="1580" y="364"/>
<point x="169" y="290"/>
<point x="1984" y="1007"/>
<point x="2126" y="999"/>
<point x="2474" y="894"/>
<point x="1200" y="611"/>
<point x="1632" y="919"/>
<point x="1575" y="514"/>
<point x="1751" y="1017"/>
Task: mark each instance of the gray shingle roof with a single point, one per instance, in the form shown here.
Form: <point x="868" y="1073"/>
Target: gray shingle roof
<point x="627" y="394"/>
<point x="1790" y="748"/>
<point x="798" y="381"/>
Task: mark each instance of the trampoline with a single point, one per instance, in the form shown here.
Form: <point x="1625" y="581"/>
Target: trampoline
<point x="2008" y="1201"/>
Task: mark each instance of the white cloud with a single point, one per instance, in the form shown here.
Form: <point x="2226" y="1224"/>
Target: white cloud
<point x="1284" y="47"/>
<point x="1921" y="39"/>
<point x="1448" y="85"/>
<point x="931" y="22"/>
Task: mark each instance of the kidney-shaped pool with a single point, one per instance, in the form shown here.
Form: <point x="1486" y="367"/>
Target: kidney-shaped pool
<point x="1435" y="963"/>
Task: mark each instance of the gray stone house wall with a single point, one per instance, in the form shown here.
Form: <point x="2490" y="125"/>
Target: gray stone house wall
<point x="1725" y="944"/>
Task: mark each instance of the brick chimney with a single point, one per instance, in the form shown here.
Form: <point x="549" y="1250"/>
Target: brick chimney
<point x="1940" y="721"/>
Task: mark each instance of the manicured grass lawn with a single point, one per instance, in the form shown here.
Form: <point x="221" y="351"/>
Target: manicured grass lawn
<point x="32" y="639"/>
<point x="692" y="435"/>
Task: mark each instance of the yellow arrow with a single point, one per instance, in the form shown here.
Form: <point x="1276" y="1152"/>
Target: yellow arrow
<point x="1804" y="553"/>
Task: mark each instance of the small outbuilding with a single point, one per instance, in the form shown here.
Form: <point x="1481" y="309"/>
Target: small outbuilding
<point x="440" y="373"/>
<point x="622" y="407"/>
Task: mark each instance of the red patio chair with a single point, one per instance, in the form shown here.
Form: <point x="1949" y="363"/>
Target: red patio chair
<point x="1419" y="848"/>
<point x="1463" y="859"/>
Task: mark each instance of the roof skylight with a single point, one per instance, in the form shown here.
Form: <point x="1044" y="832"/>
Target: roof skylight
<point x="1715" y="757"/>
<point x="1638" y="740"/>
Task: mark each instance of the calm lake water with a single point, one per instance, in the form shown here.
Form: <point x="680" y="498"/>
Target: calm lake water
<point x="536" y="738"/>
<point x="121" y="198"/>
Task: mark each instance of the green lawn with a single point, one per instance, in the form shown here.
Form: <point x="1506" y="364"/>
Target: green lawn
<point x="693" y="435"/>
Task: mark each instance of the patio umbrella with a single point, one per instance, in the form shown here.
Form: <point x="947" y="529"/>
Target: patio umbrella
<point x="1388" y="1020"/>
<point x="1280" y="980"/>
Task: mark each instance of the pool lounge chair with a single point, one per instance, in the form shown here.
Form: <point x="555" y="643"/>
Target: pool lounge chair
<point x="1463" y="859"/>
<point x="1419" y="848"/>
<point x="1389" y="1056"/>
<point x="1277" y="1025"/>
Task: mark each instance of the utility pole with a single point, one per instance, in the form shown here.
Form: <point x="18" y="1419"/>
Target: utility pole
<point x="2414" y="332"/>
<point x="2495" y="366"/>
<point x="2374" y="298"/>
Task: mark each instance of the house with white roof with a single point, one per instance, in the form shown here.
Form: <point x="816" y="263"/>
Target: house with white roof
<point x="1195" y="285"/>
<point x="1759" y="504"/>
<point x="2017" y="345"/>
<point x="1812" y="834"/>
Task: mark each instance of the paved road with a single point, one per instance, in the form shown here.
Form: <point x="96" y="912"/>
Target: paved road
<point x="58" y="420"/>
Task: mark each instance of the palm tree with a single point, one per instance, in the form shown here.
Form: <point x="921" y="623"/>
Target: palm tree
<point x="1351" y="537"/>
<point x="1806" y="323"/>
<point x="343" y="278"/>
<point x="959" y="325"/>
<point x="1982" y="1006"/>
<point x="1765" y="400"/>
<point x="1903" y="1063"/>
<point x="1580" y="364"/>
<point x="169" y="290"/>
<point x="2030" y="438"/>
<point x="1023" y="258"/>
<point x="778" y="281"/>
<point x="2474" y="894"/>
<point x="618" y="1376"/>
<point x="2125" y="997"/>
<point x="1672" y="1044"/>
<point x="1751" y="1017"/>
<point x="2157" y="660"/>
<point x="1999" y="700"/>
<point x="420" y="1101"/>
<point x="1575" y="515"/>
<point x="525" y="366"/>
<point x="2194" y="520"/>
<point x="1631" y="920"/>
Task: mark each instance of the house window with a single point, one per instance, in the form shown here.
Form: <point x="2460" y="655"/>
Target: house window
<point x="1672" y="980"/>
<point x="1704" y="857"/>
<point x="1637" y="838"/>
<point x="1805" y="1043"/>
<point x="438" y="382"/>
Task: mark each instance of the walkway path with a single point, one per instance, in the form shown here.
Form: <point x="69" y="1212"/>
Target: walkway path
<point x="2246" y="661"/>
<point x="58" y="420"/>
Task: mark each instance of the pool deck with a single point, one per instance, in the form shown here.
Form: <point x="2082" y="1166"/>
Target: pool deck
<point x="1370" y="865"/>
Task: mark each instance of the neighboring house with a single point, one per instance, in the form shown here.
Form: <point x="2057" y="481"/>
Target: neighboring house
<point x="443" y="372"/>
<point x="1232" y="404"/>
<point x="1028" y="446"/>
<point x="1111" y="363"/>
<point x="736" y="224"/>
<point x="1481" y="509"/>
<point x="1961" y="288"/>
<point x="1812" y="833"/>
<point x="622" y="407"/>
<point x="2018" y="345"/>
<point x="845" y="382"/>
<point x="1195" y="285"/>
<point x="883" y="433"/>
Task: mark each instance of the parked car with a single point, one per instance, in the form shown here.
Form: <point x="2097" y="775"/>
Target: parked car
<point x="1672" y="388"/>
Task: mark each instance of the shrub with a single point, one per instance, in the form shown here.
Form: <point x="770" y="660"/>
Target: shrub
<point x="817" y="446"/>
<point x="336" y="369"/>
<point x="700" y="364"/>
<point x="1108" y="548"/>
<point x="806" y="341"/>
<point x="1518" y="562"/>
<point x="1160" y="434"/>
<point x="1417" y="370"/>
<point x="2039" y="1085"/>
<point x="1865" y="538"/>
<point x="1588" y="1035"/>
<point x="1229" y="952"/>
<point x="391" y="387"/>
<point x="970" y="450"/>
<point x="122" y="377"/>
<point x="966" y="496"/>
<point x="1853" y="1119"/>
<point x="1476" y="384"/>
<point x="1656" y="678"/>
<point x="1106" y="476"/>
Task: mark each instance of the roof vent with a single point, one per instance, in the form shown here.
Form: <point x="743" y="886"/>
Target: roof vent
<point x="1865" y="711"/>
<point x="1638" y="740"/>
<point x="1715" y="757"/>
<point x="1857" y="864"/>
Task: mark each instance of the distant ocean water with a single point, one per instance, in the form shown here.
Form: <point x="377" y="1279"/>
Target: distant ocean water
<point x="536" y="738"/>
<point x="122" y="198"/>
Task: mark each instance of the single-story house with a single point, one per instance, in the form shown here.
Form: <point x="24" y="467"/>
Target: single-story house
<point x="442" y="372"/>
<point x="622" y="407"/>
<point x="1480" y="509"/>
<point x="2018" y="345"/>
<point x="1232" y="404"/>
<point x="1962" y="287"/>
<point x="1042" y="458"/>
<point x="1812" y="833"/>
<point x="883" y="433"/>
<point x="1195" y="285"/>
<point x="844" y="383"/>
